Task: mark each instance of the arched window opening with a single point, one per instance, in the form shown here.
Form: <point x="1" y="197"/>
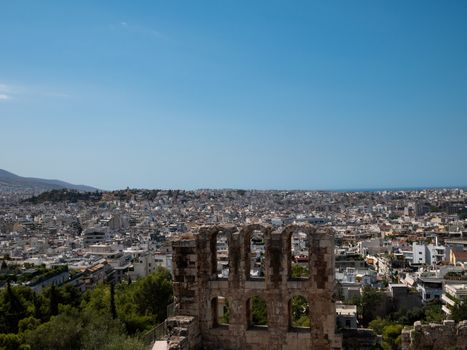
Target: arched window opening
<point x="219" y="246"/>
<point x="222" y="255"/>
<point x="220" y="312"/>
<point x="299" y="312"/>
<point x="257" y="313"/>
<point x="300" y="255"/>
<point x="257" y="255"/>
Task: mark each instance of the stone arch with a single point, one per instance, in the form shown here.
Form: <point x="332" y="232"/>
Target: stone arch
<point x="222" y="255"/>
<point x="220" y="312"/>
<point x="299" y="312"/>
<point x="199" y="294"/>
<point x="287" y="234"/>
<point x="257" y="312"/>
<point x="248" y="233"/>
<point x="300" y="255"/>
<point x="212" y="234"/>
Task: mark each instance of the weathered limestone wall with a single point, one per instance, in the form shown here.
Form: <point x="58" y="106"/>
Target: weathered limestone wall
<point x="435" y="336"/>
<point x="184" y="333"/>
<point x="196" y="285"/>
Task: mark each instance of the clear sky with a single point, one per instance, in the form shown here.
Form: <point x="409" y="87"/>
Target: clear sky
<point x="237" y="94"/>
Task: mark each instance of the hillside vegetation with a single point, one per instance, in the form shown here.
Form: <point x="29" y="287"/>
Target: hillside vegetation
<point x="107" y="317"/>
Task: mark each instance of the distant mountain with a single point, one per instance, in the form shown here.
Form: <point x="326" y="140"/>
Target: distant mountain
<point x="10" y="182"/>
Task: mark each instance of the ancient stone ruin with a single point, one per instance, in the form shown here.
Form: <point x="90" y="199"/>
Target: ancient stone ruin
<point x="434" y="336"/>
<point x="215" y="293"/>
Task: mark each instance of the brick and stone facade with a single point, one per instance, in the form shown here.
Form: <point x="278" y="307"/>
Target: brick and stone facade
<point x="197" y="288"/>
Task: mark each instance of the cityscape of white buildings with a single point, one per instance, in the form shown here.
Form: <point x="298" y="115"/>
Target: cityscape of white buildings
<point x="411" y="243"/>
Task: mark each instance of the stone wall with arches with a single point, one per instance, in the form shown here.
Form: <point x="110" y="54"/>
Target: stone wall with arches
<point x="201" y="293"/>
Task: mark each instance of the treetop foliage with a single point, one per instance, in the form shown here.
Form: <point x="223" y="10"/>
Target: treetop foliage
<point x="66" y="318"/>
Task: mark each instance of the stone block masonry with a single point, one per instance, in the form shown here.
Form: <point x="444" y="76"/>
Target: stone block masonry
<point x="199" y="291"/>
<point x="434" y="336"/>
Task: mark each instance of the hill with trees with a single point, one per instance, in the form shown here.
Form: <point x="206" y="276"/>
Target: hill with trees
<point x="64" y="195"/>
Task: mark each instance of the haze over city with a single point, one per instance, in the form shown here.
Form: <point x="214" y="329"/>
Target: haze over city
<point x="235" y="94"/>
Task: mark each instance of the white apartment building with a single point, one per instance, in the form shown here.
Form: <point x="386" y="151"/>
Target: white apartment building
<point x="430" y="254"/>
<point x="453" y="293"/>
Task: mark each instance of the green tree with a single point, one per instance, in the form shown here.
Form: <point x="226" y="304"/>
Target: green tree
<point x="392" y="336"/>
<point x="408" y="317"/>
<point x="459" y="311"/>
<point x="135" y="323"/>
<point x="61" y="332"/>
<point x="373" y="303"/>
<point x="40" y="306"/>
<point x="300" y="271"/>
<point x="103" y="332"/>
<point x="259" y="312"/>
<point x="113" y="309"/>
<point x="64" y="318"/>
<point x="124" y="343"/>
<point x="153" y="293"/>
<point x="97" y="300"/>
<point x="70" y="295"/>
<point x="389" y="330"/>
<point x="54" y="300"/>
<point x="300" y="312"/>
<point x="12" y="310"/>
<point x="434" y="312"/>
<point x="378" y="325"/>
<point x="139" y="305"/>
<point x="226" y="313"/>
<point x="28" y="323"/>
<point x="11" y="342"/>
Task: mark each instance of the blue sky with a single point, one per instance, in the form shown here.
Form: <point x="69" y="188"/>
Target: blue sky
<point x="238" y="94"/>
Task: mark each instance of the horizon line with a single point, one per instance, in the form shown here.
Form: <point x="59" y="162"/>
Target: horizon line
<point x="356" y="190"/>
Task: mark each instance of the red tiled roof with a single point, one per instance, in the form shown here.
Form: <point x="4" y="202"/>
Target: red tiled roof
<point x="460" y="255"/>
